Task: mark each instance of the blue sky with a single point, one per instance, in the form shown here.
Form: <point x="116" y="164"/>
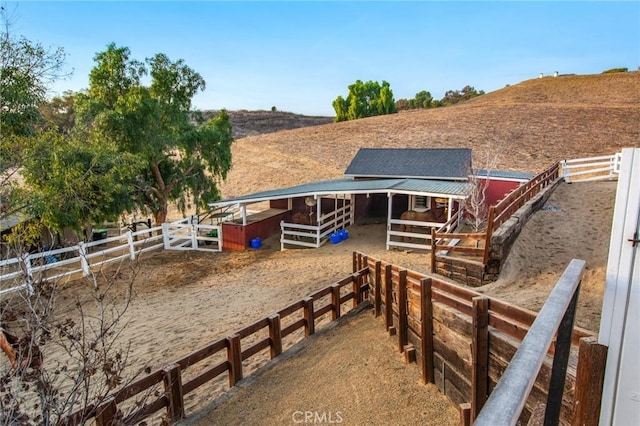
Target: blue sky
<point x="299" y="56"/>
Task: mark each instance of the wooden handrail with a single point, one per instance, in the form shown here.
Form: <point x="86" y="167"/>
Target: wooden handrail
<point x="506" y="402"/>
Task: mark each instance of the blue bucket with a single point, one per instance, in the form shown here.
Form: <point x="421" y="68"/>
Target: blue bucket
<point x="335" y="238"/>
<point x="344" y="234"/>
<point x="256" y="243"/>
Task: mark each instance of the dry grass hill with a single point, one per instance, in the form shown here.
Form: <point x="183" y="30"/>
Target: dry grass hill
<point x="527" y="127"/>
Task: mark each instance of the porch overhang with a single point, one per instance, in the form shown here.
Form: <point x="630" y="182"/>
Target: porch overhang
<point x="433" y="188"/>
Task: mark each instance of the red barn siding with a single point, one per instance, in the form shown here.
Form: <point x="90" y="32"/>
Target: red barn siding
<point x="235" y="236"/>
<point x="497" y="189"/>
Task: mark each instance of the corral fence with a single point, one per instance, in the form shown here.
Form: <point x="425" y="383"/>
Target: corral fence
<point x="295" y="234"/>
<point x="188" y="234"/>
<point x="411" y="234"/>
<point x="591" y="169"/>
<point x="465" y="257"/>
<point x="273" y="333"/>
<point x="86" y="257"/>
<point x="464" y="342"/>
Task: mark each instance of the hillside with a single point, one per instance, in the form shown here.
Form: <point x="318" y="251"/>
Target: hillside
<point x="526" y="127"/>
<point x="252" y="123"/>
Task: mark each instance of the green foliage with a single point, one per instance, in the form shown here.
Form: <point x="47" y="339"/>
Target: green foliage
<point x="59" y="113"/>
<point x="614" y="70"/>
<point x="73" y="184"/>
<point x="26" y="69"/>
<point x="365" y="100"/>
<point x="180" y="158"/>
<point x="423" y="99"/>
<point x="452" y="97"/>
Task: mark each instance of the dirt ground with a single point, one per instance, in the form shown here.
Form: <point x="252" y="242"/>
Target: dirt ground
<point x="183" y="300"/>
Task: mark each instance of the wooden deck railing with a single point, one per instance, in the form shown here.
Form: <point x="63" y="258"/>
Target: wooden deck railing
<point x="171" y="376"/>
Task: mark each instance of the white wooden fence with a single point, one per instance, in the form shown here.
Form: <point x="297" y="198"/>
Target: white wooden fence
<point x="315" y="236"/>
<point x="591" y="169"/>
<point x="85" y="258"/>
<point x="419" y="236"/>
<point x="188" y="234"/>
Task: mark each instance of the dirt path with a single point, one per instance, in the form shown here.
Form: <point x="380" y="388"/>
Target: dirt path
<point x="351" y="374"/>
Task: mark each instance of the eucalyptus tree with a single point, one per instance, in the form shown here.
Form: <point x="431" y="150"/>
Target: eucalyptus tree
<point x="365" y="100"/>
<point x="181" y="157"/>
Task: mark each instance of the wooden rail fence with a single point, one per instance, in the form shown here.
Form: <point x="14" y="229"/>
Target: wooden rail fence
<point x="475" y="247"/>
<point x="324" y="302"/>
<point x="464" y="340"/>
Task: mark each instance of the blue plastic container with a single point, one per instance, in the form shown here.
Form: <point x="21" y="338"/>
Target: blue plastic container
<point x="344" y="234"/>
<point x="256" y="243"/>
<point x="335" y="238"/>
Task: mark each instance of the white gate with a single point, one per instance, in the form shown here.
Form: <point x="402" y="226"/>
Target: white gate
<point x="620" y="323"/>
<point x="188" y="234"/>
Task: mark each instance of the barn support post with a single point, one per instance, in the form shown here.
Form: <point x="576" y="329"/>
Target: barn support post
<point x="173" y="392"/>
<point x="402" y="309"/>
<point x="592" y="360"/>
<point x="389" y="216"/>
<point x="479" y="354"/>
<point x="426" y="330"/>
<point x="234" y="357"/>
<point x="243" y="212"/>
<point x="377" y="292"/>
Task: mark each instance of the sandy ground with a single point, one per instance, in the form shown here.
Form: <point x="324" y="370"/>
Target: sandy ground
<point x="184" y="300"/>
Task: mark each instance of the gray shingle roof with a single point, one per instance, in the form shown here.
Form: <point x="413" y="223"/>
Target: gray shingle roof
<point x="422" y="163"/>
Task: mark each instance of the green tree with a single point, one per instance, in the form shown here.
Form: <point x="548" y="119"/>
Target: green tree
<point x="59" y="113"/>
<point x="452" y="97"/>
<point x="26" y="71"/>
<point x="365" y="100"/>
<point x="182" y="159"/>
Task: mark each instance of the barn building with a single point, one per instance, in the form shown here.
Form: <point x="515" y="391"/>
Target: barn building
<point x="412" y="190"/>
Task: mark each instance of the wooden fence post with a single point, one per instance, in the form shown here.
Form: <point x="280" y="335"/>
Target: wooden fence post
<point x="487" y="243"/>
<point x="479" y="355"/>
<point x="377" y="291"/>
<point x="275" y="335"/>
<point x="335" y="302"/>
<point x="592" y="359"/>
<point x="234" y="357"/>
<point x="309" y="317"/>
<point x="426" y="329"/>
<point x="355" y="261"/>
<point x="560" y="361"/>
<point x="388" y="296"/>
<point x="356" y="290"/>
<point x="173" y="392"/>
<point x="106" y="412"/>
<point x="402" y="309"/>
<point x="433" y="251"/>
<point x="364" y="264"/>
<point x="465" y="414"/>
